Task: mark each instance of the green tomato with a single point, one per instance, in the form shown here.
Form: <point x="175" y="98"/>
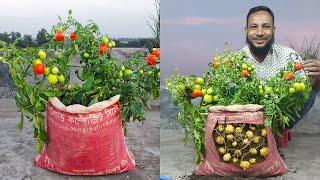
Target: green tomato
<point x="244" y="66"/>
<point x="141" y="72"/>
<point x="200" y="80"/>
<point x="47" y="71"/>
<point x="197" y="86"/>
<point x="113" y="44"/>
<point x="61" y="78"/>
<point x="120" y="74"/>
<point x="210" y="90"/>
<point x="261" y="92"/>
<point x="207" y="98"/>
<point x="42" y="55"/>
<point x="216" y="98"/>
<point x="297" y="87"/>
<point x="128" y="72"/>
<point x="122" y="68"/>
<point x="52" y="78"/>
<point x="292" y="91"/>
<point x="302" y="86"/>
<point x="158" y="75"/>
<point x="150" y="73"/>
<point x="37" y="61"/>
<point x="104" y="40"/>
<point x="204" y="91"/>
<point x="40" y="106"/>
<point x="55" y="70"/>
<point x="86" y="55"/>
<point x="260" y="87"/>
<point x="268" y="89"/>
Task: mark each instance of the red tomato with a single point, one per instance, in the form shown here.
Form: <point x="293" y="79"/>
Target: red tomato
<point x="73" y="36"/>
<point x="196" y="93"/>
<point x="216" y="64"/>
<point x="59" y="36"/>
<point x="103" y="49"/>
<point x="156" y="53"/>
<point x="151" y="59"/>
<point x="245" y="73"/>
<point x="288" y="75"/>
<point x="297" y="66"/>
<point x="39" y="69"/>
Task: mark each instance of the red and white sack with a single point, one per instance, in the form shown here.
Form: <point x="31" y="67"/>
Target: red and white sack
<point x="272" y="165"/>
<point x="85" y="140"/>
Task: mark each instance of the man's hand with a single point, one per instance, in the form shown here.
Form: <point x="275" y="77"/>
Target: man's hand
<point x="313" y="67"/>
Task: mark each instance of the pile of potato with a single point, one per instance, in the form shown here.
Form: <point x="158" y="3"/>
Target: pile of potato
<point x="241" y="144"/>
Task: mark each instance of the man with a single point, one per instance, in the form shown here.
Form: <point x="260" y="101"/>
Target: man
<point x="269" y="57"/>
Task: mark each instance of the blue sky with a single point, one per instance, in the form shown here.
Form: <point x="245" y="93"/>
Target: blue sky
<point x="191" y="30"/>
<point x="118" y="18"/>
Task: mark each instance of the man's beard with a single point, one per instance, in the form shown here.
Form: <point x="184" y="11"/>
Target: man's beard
<point x="260" y="51"/>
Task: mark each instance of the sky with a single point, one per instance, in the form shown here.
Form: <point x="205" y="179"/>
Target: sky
<point x="192" y="31"/>
<point x="117" y="18"/>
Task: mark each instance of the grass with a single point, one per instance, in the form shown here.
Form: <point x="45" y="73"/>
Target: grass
<point x="309" y="49"/>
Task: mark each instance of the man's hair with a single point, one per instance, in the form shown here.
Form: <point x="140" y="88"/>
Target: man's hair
<point x="260" y="8"/>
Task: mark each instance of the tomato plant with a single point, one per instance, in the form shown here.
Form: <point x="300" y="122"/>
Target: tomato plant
<point x="231" y="80"/>
<point x="101" y="75"/>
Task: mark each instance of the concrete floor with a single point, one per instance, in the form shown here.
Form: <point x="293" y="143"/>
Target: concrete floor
<point x="302" y="157"/>
<point x="17" y="150"/>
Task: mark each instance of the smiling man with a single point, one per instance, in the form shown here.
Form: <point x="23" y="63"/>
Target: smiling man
<point x="269" y="57"/>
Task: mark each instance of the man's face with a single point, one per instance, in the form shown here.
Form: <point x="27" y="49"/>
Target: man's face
<point x="260" y="31"/>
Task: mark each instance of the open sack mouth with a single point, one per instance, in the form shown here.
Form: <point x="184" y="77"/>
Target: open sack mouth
<point x="241" y="144"/>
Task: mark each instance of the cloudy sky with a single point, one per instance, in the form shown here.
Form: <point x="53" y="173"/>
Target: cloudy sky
<point x="191" y="30"/>
<point x="118" y="18"/>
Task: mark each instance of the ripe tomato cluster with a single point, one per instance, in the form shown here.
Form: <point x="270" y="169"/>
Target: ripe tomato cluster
<point x="289" y="75"/>
<point x="38" y="66"/>
<point x="59" y="36"/>
<point x="246" y="70"/>
<point x="52" y="73"/>
<point x="153" y="57"/>
<point x="207" y="94"/>
<point x="104" y="46"/>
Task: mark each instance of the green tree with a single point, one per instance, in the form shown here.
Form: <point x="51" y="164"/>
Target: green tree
<point x="4" y="37"/>
<point x="13" y="36"/>
<point x="154" y="25"/>
<point x="27" y="41"/>
<point x="41" y="37"/>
